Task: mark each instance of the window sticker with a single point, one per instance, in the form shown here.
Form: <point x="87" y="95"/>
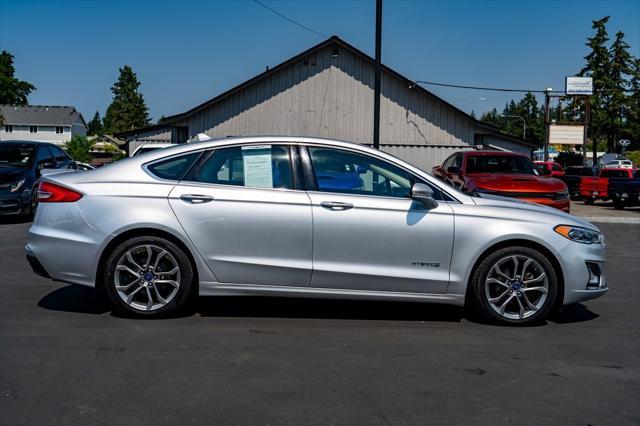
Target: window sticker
<point x="257" y="166"/>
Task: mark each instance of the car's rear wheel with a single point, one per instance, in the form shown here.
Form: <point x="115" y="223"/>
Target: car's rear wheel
<point x="514" y="285"/>
<point x="149" y="276"/>
<point x="618" y="204"/>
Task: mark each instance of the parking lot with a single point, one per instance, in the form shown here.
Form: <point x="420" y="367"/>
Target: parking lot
<point x="65" y="359"/>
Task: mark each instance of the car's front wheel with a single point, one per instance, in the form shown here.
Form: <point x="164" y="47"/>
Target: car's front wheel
<point x="514" y="285"/>
<point x="149" y="276"/>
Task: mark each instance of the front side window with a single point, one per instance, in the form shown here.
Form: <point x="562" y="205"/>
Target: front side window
<point x="173" y="168"/>
<point x="347" y="172"/>
<point x="259" y="166"/>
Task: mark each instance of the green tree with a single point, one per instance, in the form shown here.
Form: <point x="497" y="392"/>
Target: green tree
<point x="598" y="67"/>
<point x="632" y="130"/>
<point x="78" y="148"/>
<point x="526" y="108"/>
<point x="128" y="109"/>
<point x="94" y="127"/>
<point x="12" y="90"/>
<point x="621" y="66"/>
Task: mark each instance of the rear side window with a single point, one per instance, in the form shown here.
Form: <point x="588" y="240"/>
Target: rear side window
<point x="173" y="168"/>
<point x="259" y="166"/>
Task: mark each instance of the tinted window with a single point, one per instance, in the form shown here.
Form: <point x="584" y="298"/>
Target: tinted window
<point x="43" y="155"/>
<point x="508" y="164"/>
<point x="347" y="172"/>
<point x="458" y="161"/>
<point x="556" y="167"/>
<point x="173" y="168"/>
<point x="259" y="166"/>
<point x="16" y="155"/>
<point x="581" y="171"/>
<point x="448" y="162"/>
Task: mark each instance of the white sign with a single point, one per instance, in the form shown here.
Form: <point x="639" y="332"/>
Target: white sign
<point x="257" y="166"/>
<point x="578" y="86"/>
<point x="624" y="142"/>
<point x="566" y="135"/>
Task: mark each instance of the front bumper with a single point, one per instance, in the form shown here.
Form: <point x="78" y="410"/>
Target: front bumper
<point x="574" y="258"/>
<point x="13" y="204"/>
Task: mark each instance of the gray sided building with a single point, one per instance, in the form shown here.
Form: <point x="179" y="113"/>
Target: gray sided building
<point x="327" y="91"/>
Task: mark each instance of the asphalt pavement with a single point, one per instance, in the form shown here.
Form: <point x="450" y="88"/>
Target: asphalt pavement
<point x="65" y="359"/>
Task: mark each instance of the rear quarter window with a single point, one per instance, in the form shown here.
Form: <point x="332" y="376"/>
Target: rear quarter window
<point x="173" y="168"/>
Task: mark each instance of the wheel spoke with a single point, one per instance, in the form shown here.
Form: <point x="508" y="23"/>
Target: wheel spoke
<point x="133" y="262"/>
<point x="504" y="305"/>
<point x="499" y="272"/>
<point x="495" y="299"/>
<point x="127" y="269"/>
<point x="497" y="281"/>
<point x="158" y="258"/>
<point x="516" y="263"/>
<point x="528" y="302"/>
<point x="149" y="256"/>
<point x="540" y="289"/>
<point x="526" y="264"/>
<point x="128" y="286"/>
<point x="171" y="272"/>
<point x="160" y="298"/>
<point x="535" y="280"/>
<point x="149" y="299"/>
<point x="170" y="282"/>
<point x="521" y="310"/>
<point x="133" y="293"/>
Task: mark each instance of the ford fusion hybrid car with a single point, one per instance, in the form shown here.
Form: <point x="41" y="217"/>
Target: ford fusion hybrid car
<point x="303" y="217"/>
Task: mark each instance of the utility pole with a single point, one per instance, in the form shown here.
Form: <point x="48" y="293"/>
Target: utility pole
<point x="376" y="89"/>
<point x="587" y="118"/>
<point x="546" y="122"/>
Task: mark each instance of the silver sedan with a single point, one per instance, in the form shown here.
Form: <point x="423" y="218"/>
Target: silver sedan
<point x="302" y="217"/>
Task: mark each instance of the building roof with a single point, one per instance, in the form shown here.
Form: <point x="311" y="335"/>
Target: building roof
<point x="41" y="115"/>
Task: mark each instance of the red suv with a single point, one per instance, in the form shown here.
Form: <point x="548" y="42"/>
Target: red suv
<point x="507" y="174"/>
<point x="554" y="169"/>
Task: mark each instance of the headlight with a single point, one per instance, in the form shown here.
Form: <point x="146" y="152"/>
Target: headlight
<point x="562" y="195"/>
<point x="580" y="235"/>
<point x="15" y="186"/>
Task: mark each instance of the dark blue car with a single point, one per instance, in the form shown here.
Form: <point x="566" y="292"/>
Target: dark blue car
<point x="20" y="166"/>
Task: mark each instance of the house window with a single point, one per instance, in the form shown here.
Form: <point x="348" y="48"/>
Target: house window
<point x="59" y="129"/>
<point x="33" y="129"/>
<point x="8" y="128"/>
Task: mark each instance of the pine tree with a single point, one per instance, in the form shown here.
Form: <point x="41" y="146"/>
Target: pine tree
<point x="12" y="90"/>
<point x="620" y="68"/>
<point x="128" y="109"/>
<point x="94" y="127"/>
<point x="598" y="67"/>
<point x="632" y="129"/>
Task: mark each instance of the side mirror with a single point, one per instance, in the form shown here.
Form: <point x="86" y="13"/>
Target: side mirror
<point x="453" y="170"/>
<point x="424" y="195"/>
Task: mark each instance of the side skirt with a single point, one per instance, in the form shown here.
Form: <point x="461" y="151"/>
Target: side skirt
<point x="217" y="289"/>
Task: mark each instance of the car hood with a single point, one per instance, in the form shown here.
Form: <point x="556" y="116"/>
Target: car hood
<point x="519" y="208"/>
<point x="10" y="174"/>
<point x="515" y="183"/>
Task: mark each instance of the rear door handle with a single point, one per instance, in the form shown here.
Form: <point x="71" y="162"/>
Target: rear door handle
<point x="336" y="205"/>
<point x="196" y="198"/>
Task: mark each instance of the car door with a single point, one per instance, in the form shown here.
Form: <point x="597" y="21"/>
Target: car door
<point x="246" y="214"/>
<point x="368" y="234"/>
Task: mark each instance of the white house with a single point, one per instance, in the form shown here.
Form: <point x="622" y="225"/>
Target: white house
<point x="56" y="124"/>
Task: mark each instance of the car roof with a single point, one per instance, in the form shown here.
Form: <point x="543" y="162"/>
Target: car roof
<point x="502" y="153"/>
<point x="16" y="142"/>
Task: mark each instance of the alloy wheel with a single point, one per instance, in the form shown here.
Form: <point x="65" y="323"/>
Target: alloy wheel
<point x="147" y="277"/>
<point x="516" y="287"/>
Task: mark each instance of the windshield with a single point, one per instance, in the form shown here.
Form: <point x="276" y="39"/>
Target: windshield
<point x="580" y="171"/>
<point x="16" y="155"/>
<point x="508" y="164"/>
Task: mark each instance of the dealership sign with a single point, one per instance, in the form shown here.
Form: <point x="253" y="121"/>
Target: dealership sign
<point x="566" y="134"/>
<point x="578" y="86"/>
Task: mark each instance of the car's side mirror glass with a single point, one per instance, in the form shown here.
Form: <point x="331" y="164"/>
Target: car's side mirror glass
<point x="453" y="170"/>
<point x="423" y="194"/>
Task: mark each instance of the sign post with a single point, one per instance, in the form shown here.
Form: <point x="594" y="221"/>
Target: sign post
<point x="624" y="143"/>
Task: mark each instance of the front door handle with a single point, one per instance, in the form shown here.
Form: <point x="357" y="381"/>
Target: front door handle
<point x="196" y="198"/>
<point x="336" y="205"/>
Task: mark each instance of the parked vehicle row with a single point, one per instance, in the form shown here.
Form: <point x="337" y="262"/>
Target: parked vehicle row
<point x="304" y="217"/>
<point x="625" y="192"/>
<point x="590" y="184"/>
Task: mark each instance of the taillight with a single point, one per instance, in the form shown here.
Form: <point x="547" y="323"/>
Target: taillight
<point x="51" y="193"/>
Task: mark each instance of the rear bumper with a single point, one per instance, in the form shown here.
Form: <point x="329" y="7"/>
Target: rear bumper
<point x="36" y="266"/>
<point x="594" y="194"/>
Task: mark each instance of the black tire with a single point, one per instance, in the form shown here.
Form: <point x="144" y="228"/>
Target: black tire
<point x="478" y="296"/>
<point x="618" y="205"/>
<point x="34" y="201"/>
<point x="186" y="291"/>
<point x="589" y="201"/>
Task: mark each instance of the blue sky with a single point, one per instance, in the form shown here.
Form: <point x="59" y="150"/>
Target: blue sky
<point x="186" y="52"/>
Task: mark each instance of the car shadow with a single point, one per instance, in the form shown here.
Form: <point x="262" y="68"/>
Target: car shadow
<point x="75" y="298"/>
<point x="12" y="220"/>
<point x="86" y="300"/>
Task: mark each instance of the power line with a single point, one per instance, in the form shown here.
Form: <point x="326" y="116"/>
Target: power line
<point x="501" y="89"/>
<point x="291" y="20"/>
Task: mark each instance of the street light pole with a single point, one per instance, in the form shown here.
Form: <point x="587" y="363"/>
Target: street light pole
<point x="546" y="122"/>
<point x="376" y="87"/>
<point x="524" y="124"/>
